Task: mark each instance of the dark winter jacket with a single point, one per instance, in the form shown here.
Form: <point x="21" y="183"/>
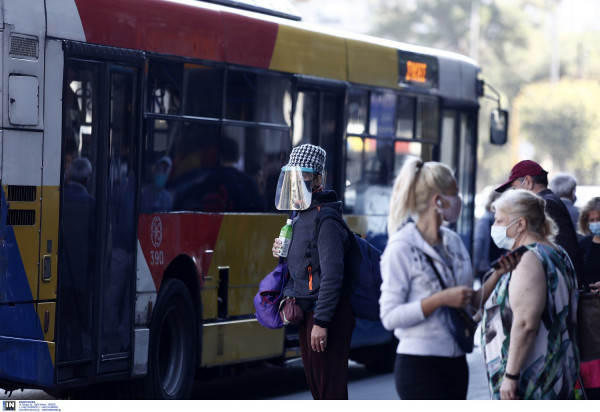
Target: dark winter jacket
<point x="325" y="257"/>
<point x="567" y="237"/>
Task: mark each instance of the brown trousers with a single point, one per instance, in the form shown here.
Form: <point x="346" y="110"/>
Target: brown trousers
<point x="327" y="372"/>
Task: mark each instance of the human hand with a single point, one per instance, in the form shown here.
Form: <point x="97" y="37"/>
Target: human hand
<point x="276" y="247"/>
<point x="508" y="389"/>
<point x="318" y="338"/>
<point x="457" y="296"/>
<point x="508" y="262"/>
<point x="594" y="286"/>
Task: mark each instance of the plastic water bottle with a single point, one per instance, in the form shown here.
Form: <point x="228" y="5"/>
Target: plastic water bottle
<point x="286" y="238"/>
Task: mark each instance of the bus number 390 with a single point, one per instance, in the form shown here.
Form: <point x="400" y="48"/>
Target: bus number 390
<point x="157" y="257"/>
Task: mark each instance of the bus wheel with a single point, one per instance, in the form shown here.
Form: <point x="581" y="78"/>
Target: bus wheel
<point x="172" y="351"/>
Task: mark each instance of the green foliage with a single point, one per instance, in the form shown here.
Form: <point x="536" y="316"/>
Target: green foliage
<point x="433" y="23"/>
<point x="514" y="49"/>
<point x="562" y="121"/>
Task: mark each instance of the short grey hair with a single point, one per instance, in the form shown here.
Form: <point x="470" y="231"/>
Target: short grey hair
<point x="563" y="185"/>
<point x="80" y="170"/>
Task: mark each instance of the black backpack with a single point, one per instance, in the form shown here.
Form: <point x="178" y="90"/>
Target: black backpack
<point x="361" y="267"/>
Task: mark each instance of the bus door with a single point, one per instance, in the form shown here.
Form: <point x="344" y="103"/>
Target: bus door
<point x="458" y="149"/>
<point x="97" y="244"/>
<point x="117" y="266"/>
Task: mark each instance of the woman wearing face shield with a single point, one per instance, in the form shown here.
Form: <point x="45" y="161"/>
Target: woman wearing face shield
<point x="316" y="269"/>
<point x="429" y="362"/>
<point x="530" y="320"/>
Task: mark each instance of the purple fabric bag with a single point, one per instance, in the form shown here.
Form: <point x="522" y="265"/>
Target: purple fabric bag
<point x="270" y="291"/>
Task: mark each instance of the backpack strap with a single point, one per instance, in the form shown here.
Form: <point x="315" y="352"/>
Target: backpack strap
<point x="351" y="247"/>
<point x="322" y="214"/>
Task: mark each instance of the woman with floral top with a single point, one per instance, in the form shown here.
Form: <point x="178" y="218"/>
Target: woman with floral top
<point x="529" y="323"/>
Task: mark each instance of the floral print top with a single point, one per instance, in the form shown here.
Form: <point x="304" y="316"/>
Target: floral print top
<point x="550" y="370"/>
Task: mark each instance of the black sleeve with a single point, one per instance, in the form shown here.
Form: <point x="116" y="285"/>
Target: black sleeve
<point x="331" y="245"/>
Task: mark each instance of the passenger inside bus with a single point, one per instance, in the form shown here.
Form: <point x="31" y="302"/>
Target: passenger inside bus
<point x="242" y="188"/>
<point x="225" y="187"/>
<point x="76" y="270"/>
<point x="155" y="198"/>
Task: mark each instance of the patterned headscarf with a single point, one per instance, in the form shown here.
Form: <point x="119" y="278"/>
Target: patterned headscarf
<point x="308" y="155"/>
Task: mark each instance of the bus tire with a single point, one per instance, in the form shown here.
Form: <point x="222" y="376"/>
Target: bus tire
<point x="172" y="352"/>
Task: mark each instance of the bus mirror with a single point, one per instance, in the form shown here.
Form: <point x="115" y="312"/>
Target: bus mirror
<point x="499" y="126"/>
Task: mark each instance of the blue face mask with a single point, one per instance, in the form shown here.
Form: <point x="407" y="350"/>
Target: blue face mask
<point x="595" y="228"/>
<point x="160" y="180"/>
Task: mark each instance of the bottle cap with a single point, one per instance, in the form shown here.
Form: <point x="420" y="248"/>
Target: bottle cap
<point x="289" y="221"/>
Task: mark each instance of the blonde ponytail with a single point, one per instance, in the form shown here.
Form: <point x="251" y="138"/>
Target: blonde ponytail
<point x="402" y="201"/>
<point x="416" y="183"/>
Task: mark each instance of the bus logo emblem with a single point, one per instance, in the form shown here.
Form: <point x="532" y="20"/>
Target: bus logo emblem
<point x="9" y="405"/>
<point x="156" y="231"/>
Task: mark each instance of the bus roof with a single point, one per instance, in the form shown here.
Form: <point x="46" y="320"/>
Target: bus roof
<point x="213" y="32"/>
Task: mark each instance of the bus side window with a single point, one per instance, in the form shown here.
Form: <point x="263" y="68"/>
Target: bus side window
<point x="164" y="83"/>
<point x="194" y="151"/>
<point x="203" y="91"/>
<point x="251" y="159"/>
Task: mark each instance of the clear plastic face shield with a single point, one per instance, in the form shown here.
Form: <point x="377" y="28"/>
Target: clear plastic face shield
<point x="294" y="188"/>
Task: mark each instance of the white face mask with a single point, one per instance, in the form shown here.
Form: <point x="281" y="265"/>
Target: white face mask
<point x="500" y="238"/>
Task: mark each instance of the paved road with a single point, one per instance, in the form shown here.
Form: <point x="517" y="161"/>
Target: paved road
<point x="363" y="386"/>
<point x="288" y="383"/>
<point x="381" y="387"/>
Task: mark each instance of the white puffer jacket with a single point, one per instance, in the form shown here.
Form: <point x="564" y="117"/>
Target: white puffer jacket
<point x="408" y="278"/>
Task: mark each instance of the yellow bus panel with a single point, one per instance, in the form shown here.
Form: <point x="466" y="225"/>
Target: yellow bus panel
<point x="310" y="53"/>
<point x="239" y="341"/>
<point x="372" y="64"/>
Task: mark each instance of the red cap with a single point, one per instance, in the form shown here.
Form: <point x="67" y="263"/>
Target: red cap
<point x="522" y="169"/>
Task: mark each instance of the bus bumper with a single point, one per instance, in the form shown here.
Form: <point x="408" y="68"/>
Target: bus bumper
<point x="26" y="361"/>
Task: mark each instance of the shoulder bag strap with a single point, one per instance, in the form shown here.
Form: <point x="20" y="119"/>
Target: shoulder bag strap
<point x="435" y="270"/>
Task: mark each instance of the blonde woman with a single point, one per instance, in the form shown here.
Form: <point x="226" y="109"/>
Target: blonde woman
<point x="530" y="320"/>
<point x="429" y="362"/>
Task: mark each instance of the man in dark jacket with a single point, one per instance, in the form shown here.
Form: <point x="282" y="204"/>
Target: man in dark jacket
<point x="529" y="175"/>
<point x="316" y="269"/>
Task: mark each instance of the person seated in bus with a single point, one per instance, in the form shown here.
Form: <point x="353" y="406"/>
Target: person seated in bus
<point x="155" y="197"/>
<point x="239" y="189"/>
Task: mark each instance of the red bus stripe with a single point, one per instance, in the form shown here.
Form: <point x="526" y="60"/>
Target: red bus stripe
<point x="178" y="28"/>
<point x="249" y="42"/>
<point x="163" y="237"/>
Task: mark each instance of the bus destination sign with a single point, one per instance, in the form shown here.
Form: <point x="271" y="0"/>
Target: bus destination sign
<point x="417" y="69"/>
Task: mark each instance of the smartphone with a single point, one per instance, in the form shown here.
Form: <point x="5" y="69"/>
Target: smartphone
<point x="517" y="252"/>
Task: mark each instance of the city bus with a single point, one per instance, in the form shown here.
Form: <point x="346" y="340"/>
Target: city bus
<point x="141" y="141"/>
